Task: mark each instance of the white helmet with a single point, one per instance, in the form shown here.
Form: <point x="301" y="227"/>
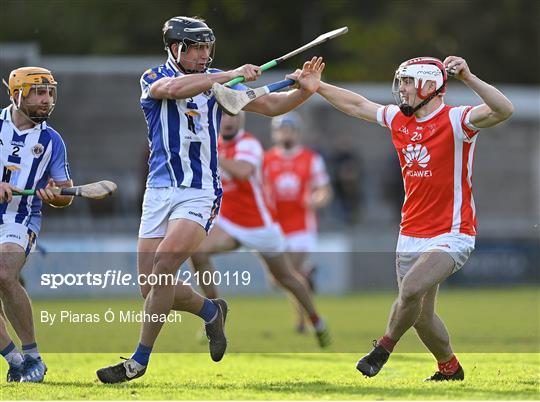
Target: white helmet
<point x="421" y="69"/>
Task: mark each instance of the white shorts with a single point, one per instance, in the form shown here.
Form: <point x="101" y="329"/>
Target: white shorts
<point x="265" y="239"/>
<point x="458" y="245"/>
<point x="301" y="242"/>
<point x="19" y="234"/>
<point x="160" y="205"/>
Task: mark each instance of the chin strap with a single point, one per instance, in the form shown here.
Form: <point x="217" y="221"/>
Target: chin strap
<point x="408" y="110"/>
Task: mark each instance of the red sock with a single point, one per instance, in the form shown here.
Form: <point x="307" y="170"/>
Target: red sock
<point x="314" y="318"/>
<point x="450" y="367"/>
<point x="387" y="343"/>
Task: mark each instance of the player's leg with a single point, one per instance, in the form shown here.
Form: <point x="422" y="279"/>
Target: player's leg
<point x="283" y="272"/>
<point x="146" y="255"/>
<point x="146" y="252"/>
<point x="298" y="260"/>
<point x="16" y="304"/>
<point x="431" y="268"/>
<point x="431" y="330"/>
<point x="9" y="351"/>
<point x="434" y="335"/>
<point x="14" y="297"/>
<point x="217" y="241"/>
<point x="181" y="240"/>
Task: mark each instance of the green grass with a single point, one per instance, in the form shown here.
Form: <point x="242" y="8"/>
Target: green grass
<point x="284" y="376"/>
<point x="495" y="333"/>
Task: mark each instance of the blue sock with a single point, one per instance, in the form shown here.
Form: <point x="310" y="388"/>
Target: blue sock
<point x="208" y="311"/>
<point x="142" y="354"/>
<point x="30" y="350"/>
<point x="8" y="349"/>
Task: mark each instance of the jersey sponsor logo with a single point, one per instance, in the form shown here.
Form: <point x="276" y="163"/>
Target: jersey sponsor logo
<point x="416" y="153"/>
<point x="13" y="236"/>
<point x="17" y="143"/>
<point x="37" y="150"/>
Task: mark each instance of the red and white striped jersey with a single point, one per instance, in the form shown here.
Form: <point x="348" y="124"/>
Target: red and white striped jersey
<point x="244" y="202"/>
<point x="292" y="176"/>
<point x="436" y="157"/>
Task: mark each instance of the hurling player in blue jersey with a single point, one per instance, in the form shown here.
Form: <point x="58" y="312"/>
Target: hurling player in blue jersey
<point x="183" y="190"/>
<point x="33" y="156"/>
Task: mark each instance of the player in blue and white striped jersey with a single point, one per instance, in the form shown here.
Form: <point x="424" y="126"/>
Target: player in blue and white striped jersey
<point x="33" y="157"/>
<point x="183" y="191"/>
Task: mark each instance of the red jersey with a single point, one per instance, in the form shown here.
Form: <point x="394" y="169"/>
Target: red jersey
<point x="292" y="176"/>
<point x="244" y="202"/>
<point x="436" y="157"/>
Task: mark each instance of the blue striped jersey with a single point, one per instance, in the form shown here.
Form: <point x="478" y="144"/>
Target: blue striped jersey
<point x="28" y="159"/>
<point x="182" y="135"/>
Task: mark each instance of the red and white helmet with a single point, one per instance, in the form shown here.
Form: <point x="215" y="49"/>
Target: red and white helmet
<point x="422" y="69"/>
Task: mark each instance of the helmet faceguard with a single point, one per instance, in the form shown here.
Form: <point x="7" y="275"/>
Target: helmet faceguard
<point x="421" y="70"/>
<point x="26" y="83"/>
<point x="188" y="32"/>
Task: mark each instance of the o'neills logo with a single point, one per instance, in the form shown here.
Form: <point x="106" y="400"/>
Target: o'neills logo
<point x="417" y="155"/>
<point x="37" y="150"/>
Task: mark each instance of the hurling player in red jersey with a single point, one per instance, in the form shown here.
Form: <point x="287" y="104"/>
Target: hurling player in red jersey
<point x="435" y="144"/>
<point x="299" y="184"/>
<point x="245" y="219"/>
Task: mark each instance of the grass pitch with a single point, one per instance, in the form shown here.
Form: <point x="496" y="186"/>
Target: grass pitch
<point x="267" y="360"/>
<point x="284" y="376"/>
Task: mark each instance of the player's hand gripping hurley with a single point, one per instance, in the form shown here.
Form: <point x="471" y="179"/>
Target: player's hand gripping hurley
<point x="232" y="101"/>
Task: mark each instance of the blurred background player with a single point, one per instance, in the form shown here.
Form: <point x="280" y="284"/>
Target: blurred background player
<point x="435" y="145"/>
<point x="183" y="190"/>
<point x="33" y="156"/>
<point x="299" y="184"/>
<point x="246" y="219"/>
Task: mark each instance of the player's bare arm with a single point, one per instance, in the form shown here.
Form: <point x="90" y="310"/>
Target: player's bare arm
<point x="275" y="103"/>
<point x="190" y="85"/>
<point x="348" y="102"/>
<point x="56" y="201"/>
<point x="496" y="107"/>
<point x="238" y="169"/>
